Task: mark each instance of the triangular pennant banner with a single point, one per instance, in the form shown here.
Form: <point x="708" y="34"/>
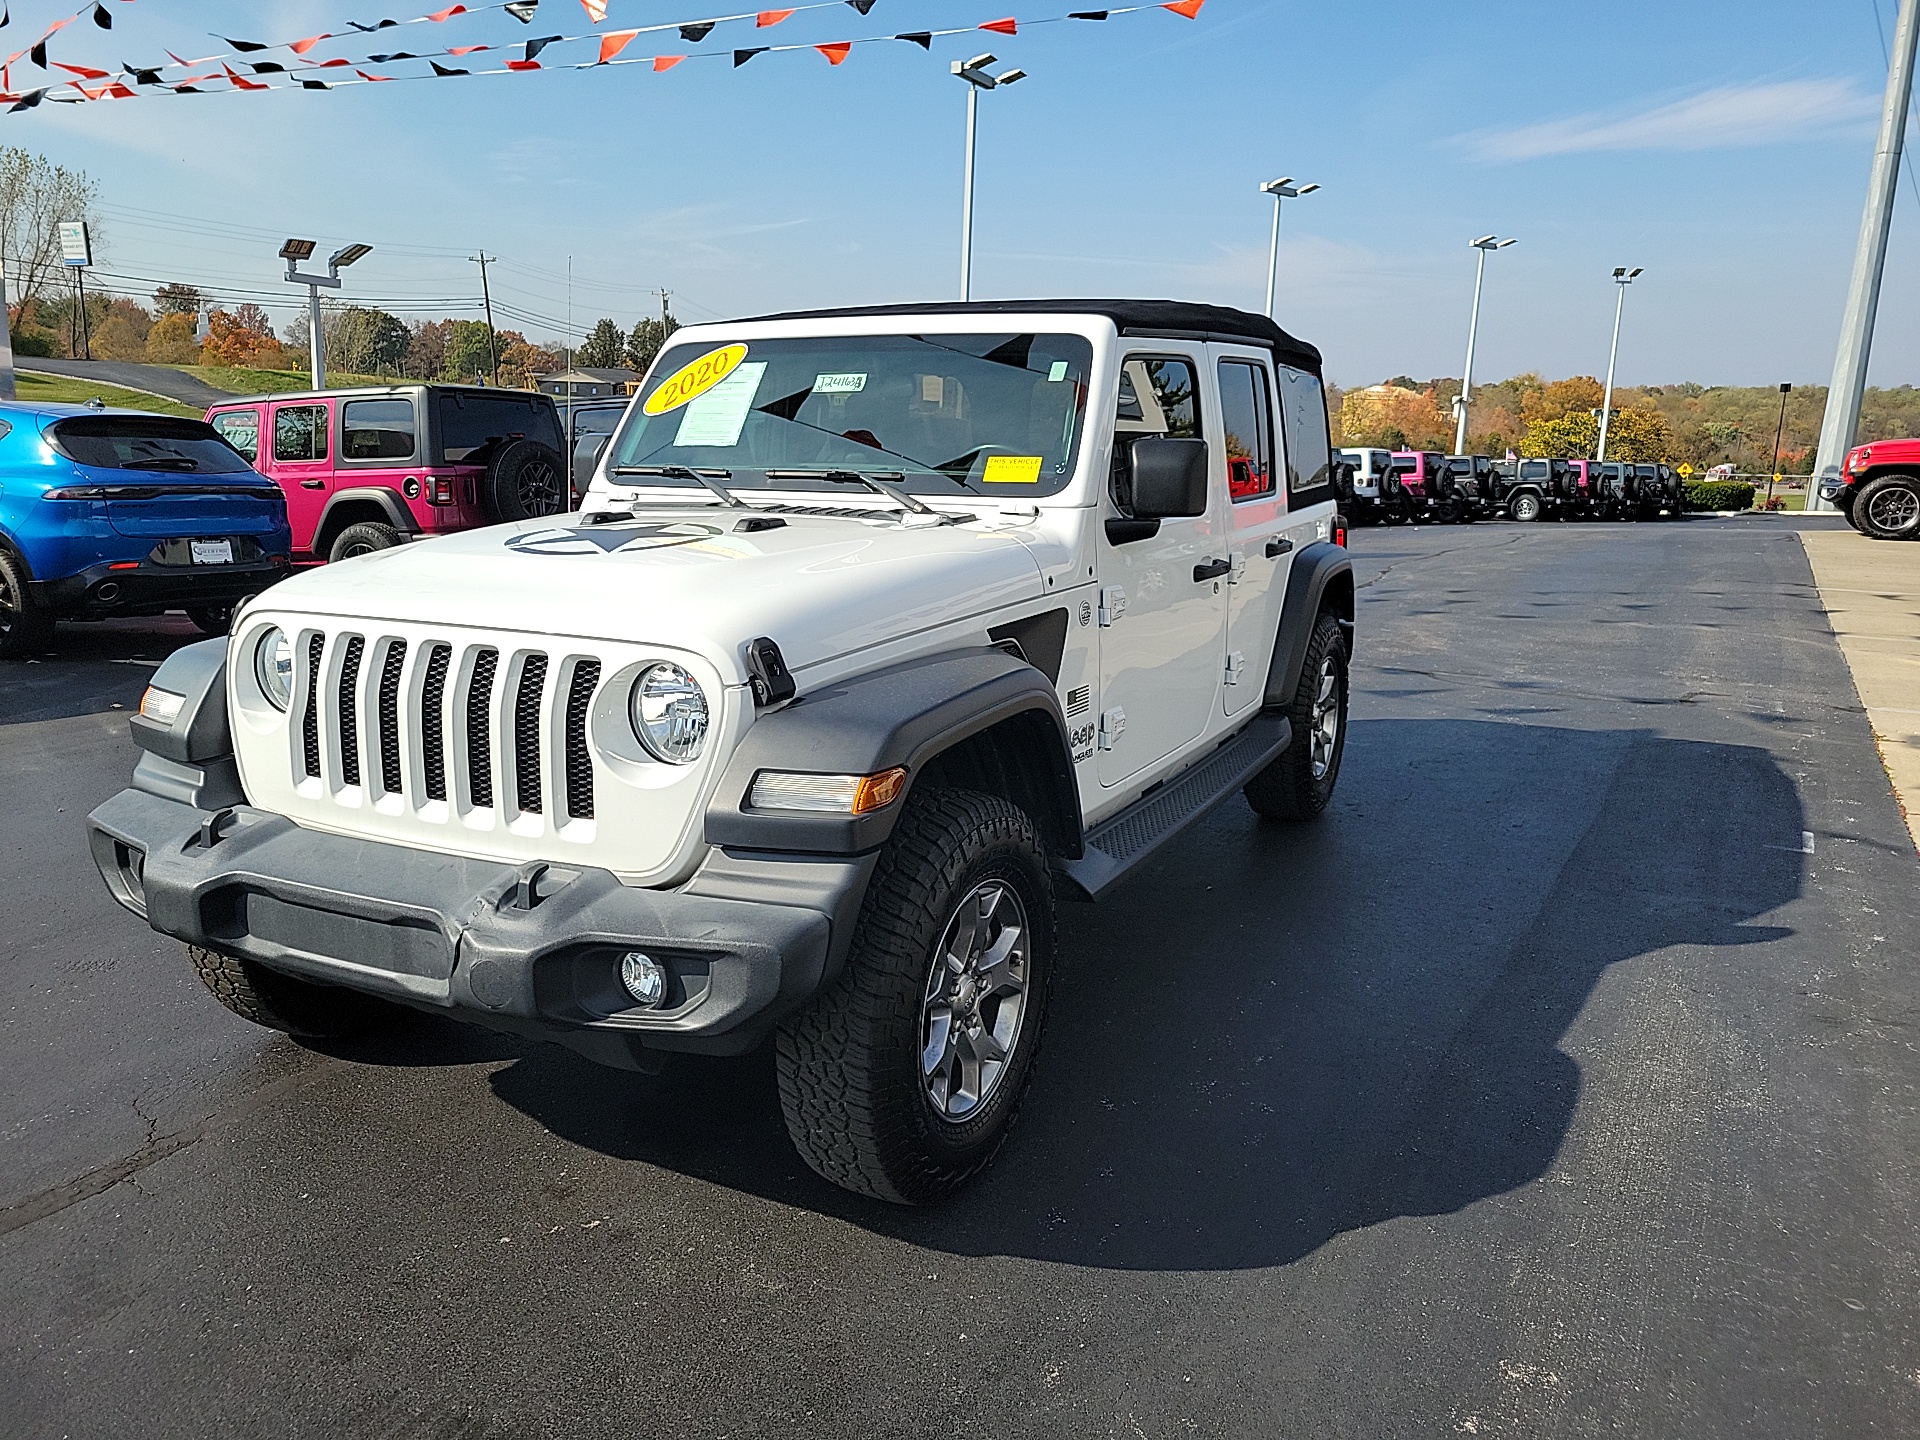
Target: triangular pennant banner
<point x="468" y="49"/>
<point x="523" y="64"/>
<point x="522" y="10"/>
<point x="27" y="101"/>
<point x="740" y="57"/>
<point x="534" y="47"/>
<point x="835" y="52"/>
<point x="863" y="6"/>
<point x="1088" y="15"/>
<point x="301" y="47"/>
<point x="666" y="62"/>
<point x="267" y="67"/>
<point x="38" y="55"/>
<point x="329" y="64"/>
<point x="141" y="77"/>
<point x="396" y="55"/>
<point x="365" y="76"/>
<point x="6" y="17"/>
<point x="440" y="69"/>
<point x="596" y="9"/>
<point x="922" y="38"/>
<point x="1188" y="8"/>
<point x="1008" y="26"/>
<point x="84" y="72"/>
<point x="240" y="82"/>
<point x="613" y="42"/>
<point x="102" y="18"/>
<point x="245" y="47"/>
<point x="694" y="34"/>
<point x="315" y="85"/>
<point x="447" y="14"/>
<point x="769" y="17"/>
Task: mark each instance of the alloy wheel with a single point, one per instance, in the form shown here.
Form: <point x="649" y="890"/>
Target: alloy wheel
<point x="976" y="999"/>
<point x="1324" y="731"/>
<point x="1894" y="509"/>
<point x="540" y="488"/>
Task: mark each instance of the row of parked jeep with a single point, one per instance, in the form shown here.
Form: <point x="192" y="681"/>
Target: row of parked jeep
<point x="1399" y="487"/>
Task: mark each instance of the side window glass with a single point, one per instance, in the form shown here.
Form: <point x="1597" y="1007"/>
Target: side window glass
<point x="1309" y="445"/>
<point x="240" y="429"/>
<point x="300" y="432"/>
<point x="1159" y="395"/>
<point x="376" y="430"/>
<point x="1246" y="413"/>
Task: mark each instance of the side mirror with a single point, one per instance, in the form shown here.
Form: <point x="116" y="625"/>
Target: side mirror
<point x="1169" y="477"/>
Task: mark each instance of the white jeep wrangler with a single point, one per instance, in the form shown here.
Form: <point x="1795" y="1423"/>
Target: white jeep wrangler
<point x="877" y="627"/>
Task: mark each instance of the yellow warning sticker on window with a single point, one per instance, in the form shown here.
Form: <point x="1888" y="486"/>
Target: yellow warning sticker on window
<point x="694" y="379"/>
<point x="1012" y="470"/>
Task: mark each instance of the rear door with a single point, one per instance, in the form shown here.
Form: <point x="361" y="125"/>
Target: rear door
<point x="301" y="457"/>
<point x="1256" y="520"/>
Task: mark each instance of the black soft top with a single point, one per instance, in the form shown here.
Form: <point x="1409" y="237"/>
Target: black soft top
<point x="1161" y="319"/>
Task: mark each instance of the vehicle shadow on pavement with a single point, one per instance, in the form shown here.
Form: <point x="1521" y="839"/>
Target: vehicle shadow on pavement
<point x="87" y="668"/>
<point x="1279" y="1034"/>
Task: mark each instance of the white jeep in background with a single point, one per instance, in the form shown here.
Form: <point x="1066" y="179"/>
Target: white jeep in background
<point x="877" y="627"/>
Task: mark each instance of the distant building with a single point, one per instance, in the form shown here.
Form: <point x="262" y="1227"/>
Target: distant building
<point x="584" y="384"/>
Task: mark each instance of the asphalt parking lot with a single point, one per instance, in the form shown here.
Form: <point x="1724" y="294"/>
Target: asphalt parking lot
<point x="1562" y="1081"/>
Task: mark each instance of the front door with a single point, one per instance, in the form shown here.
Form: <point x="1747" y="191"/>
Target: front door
<point x="1256" y="522"/>
<point x="1163" y="596"/>
<point x="302" y="463"/>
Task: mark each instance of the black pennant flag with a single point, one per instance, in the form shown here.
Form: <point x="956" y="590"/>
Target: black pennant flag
<point x="534" y="47"/>
<point x="102" y="18"/>
<point x="863" y="6"/>
<point x="389" y="59"/>
<point x="6" y="16"/>
<point x="440" y="69"/>
<point x="26" y="101"/>
<point x="369" y="29"/>
<point x="315" y="85"/>
<point x="740" y="57"/>
<point x="38" y="55"/>
<point x="267" y="67"/>
<point x="141" y="77"/>
<point x="922" y="38"/>
<point x="245" y="47"/>
<point x="694" y="34"/>
<point x="522" y="10"/>
<point x="1088" y="15"/>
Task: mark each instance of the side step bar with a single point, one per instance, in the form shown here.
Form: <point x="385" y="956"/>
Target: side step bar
<point x="1117" y="845"/>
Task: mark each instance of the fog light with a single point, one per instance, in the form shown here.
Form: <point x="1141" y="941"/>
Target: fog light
<point x="644" y="977"/>
<point x="826" y="794"/>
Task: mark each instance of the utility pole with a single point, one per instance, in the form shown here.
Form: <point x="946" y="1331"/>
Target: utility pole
<point x="1849" y="383"/>
<point x="664" y="316"/>
<point x="1622" y="278"/>
<point x="974" y="72"/>
<point x="486" y="298"/>
<point x="1778" y="430"/>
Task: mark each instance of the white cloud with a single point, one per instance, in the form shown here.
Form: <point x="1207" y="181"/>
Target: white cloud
<point x="1726" y="117"/>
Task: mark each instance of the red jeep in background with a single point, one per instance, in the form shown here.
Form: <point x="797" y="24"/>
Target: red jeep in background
<point x="1878" y="489"/>
<point x="364" y="469"/>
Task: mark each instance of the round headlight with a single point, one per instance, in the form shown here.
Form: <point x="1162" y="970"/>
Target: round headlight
<point x="273" y="667"/>
<point x="669" y="713"/>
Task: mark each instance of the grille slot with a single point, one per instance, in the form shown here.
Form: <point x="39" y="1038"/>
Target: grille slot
<point x="310" y="725"/>
<point x="586" y="675"/>
<point x="349" y="715"/>
<point x="433" y="693"/>
<point x="526" y="735"/>
<point x="479" y="736"/>
<point x="389" y="717"/>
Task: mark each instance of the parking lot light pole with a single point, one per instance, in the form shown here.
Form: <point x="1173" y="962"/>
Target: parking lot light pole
<point x="1484" y="245"/>
<point x="1622" y="277"/>
<point x="975" y="74"/>
<point x="293" y="252"/>
<point x="1778" y="430"/>
<point x="1281" y="189"/>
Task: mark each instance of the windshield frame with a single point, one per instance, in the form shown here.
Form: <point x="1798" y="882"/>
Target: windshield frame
<point x="922" y="478"/>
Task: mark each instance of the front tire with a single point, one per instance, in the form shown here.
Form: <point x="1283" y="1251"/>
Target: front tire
<point x="1298" y="785"/>
<point x="1889" y="507"/>
<point x="1525" y="508"/>
<point x="901" y="1080"/>
<point x="362" y="539"/>
<point x="211" y="619"/>
<point x="293" y="1007"/>
<point x="25" y="627"/>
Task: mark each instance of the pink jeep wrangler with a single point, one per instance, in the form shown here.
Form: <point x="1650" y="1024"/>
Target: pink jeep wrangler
<point x="365" y="469"/>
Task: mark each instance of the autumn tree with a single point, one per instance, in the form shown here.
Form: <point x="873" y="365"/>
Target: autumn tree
<point x="122" y="333"/>
<point x="171" y="342"/>
<point x="1576" y="395"/>
<point x="178" y="299"/>
<point x="242" y="337"/>
<point x="604" y="348"/>
<point x="469" y="350"/>
<point x="35" y="197"/>
<point x="1393" y="416"/>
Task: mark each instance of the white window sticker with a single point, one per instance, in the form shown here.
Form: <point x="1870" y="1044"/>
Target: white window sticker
<point x="839" y="384"/>
<point x="717" y="416"/>
<point x="1057" y="371"/>
<point x="931" y="389"/>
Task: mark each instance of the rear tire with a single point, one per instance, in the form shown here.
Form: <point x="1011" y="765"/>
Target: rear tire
<point x="963" y="880"/>
<point x="25" y="627"/>
<point x="1298" y="785"/>
<point x="526" y="480"/>
<point x="212" y="619"/>
<point x="362" y="539"/>
<point x="1889" y="507"/>
<point x="293" y="1007"/>
<point x="1524" y="508"/>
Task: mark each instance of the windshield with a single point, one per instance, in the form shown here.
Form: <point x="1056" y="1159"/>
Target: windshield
<point x="934" y="414"/>
<point x="154" y="443"/>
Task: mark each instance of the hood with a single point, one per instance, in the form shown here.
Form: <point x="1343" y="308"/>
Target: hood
<point x="820" y="586"/>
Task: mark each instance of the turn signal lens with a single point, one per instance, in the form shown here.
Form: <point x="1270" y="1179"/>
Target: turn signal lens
<point x="826" y="794"/>
<point x="161" y="706"/>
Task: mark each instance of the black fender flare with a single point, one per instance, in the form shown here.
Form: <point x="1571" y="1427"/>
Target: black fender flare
<point x="910" y="715"/>
<point x="1321" y="578"/>
<point x="391" y="505"/>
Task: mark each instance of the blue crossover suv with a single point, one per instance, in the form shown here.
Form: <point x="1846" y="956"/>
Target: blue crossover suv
<point x="116" y="512"/>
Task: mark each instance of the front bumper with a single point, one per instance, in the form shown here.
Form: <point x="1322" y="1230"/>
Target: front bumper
<point x="100" y="590"/>
<point x="531" y="949"/>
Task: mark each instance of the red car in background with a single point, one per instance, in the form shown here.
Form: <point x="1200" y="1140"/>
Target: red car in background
<point x="365" y="469"/>
<point x="1878" y="489"/>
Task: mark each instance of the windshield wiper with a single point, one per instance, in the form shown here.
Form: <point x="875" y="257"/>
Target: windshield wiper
<point x="683" y="472"/>
<point x="894" y="493"/>
<point x="163" y="462"/>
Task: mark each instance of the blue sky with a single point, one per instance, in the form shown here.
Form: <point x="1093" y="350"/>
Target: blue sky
<point x="1722" y="144"/>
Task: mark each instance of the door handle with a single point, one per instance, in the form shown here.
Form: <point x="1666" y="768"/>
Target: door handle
<point x="313" y="484"/>
<point x="1212" y="570"/>
<point x="1278" y="546"/>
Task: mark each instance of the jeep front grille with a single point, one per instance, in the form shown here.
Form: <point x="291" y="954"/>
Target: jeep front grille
<point x="424" y="727"/>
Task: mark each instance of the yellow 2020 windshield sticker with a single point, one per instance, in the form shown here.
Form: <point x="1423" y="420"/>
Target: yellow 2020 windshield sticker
<point x="694" y="379"/>
<point x="1012" y="470"/>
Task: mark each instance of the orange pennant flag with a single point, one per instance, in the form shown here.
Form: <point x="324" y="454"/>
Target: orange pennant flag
<point x="84" y="72"/>
<point x="1188" y="8"/>
<point x="835" y="52"/>
<point x="365" y="76"/>
<point x="301" y="47"/>
<point x="666" y="62"/>
<point x="468" y="49"/>
<point x="1009" y="26"/>
<point x="596" y="10"/>
<point x="447" y="14"/>
<point x="613" y="42"/>
<point x="240" y="82"/>
<point x="769" y="17"/>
